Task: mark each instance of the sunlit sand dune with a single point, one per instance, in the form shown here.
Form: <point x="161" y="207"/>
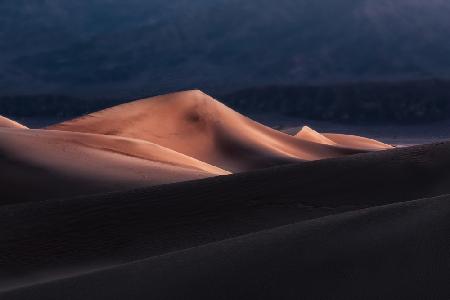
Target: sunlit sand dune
<point x="354" y="141"/>
<point x="5" y="122"/>
<point x="41" y="164"/>
<point x="342" y="140"/>
<point x="309" y="134"/>
<point x="195" y="124"/>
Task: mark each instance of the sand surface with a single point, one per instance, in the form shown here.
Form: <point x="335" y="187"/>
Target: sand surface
<point x="378" y="234"/>
<point x="53" y="163"/>
<point x="5" y="122"/>
<point x="195" y="124"/>
<point x="165" y="139"/>
<point x="343" y="140"/>
<point x="180" y="197"/>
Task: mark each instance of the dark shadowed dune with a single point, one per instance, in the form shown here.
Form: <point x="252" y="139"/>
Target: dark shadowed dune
<point x="63" y="238"/>
<point x="398" y="251"/>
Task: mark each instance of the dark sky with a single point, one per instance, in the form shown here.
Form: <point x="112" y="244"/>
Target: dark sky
<point x="104" y="48"/>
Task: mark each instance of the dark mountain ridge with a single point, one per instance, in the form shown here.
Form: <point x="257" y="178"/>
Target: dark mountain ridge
<point x="403" y="102"/>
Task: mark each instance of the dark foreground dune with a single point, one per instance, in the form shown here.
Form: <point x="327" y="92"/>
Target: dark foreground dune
<point x="398" y="251"/>
<point x="367" y="226"/>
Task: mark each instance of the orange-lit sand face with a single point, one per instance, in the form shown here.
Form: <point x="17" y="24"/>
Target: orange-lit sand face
<point x="165" y="139"/>
<point x="54" y="163"/>
<point x="196" y="125"/>
<point x="341" y="140"/>
<point x="358" y="142"/>
<point x="7" y="123"/>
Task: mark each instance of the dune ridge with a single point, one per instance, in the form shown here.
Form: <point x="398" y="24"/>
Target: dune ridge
<point x="343" y="140"/>
<point x="8" y="123"/>
<point x="309" y="134"/>
<point x="199" y="126"/>
<point x="355" y="141"/>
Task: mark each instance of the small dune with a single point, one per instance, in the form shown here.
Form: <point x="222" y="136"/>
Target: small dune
<point x="341" y="140"/>
<point x="8" y="123"/>
<point x="309" y="134"/>
<point x="199" y="126"/>
<point x="355" y="141"/>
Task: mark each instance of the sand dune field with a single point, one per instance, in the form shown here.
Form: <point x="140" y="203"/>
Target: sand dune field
<point x="180" y="197"/>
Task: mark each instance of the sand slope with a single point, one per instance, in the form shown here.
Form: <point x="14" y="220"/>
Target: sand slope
<point x="343" y="140"/>
<point x="67" y="237"/>
<point x="5" y="122"/>
<point x="309" y="134"/>
<point x="41" y="164"/>
<point x="195" y="124"/>
<point x="397" y="251"/>
<point x="355" y="141"/>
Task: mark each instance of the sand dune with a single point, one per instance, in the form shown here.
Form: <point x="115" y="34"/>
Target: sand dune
<point x="5" y="122"/>
<point x="73" y="236"/>
<point x="41" y="164"/>
<point x="358" y="142"/>
<point x="373" y="225"/>
<point x="397" y="251"/>
<point x="195" y="124"/>
<point x="309" y="134"/>
<point x="343" y="140"/>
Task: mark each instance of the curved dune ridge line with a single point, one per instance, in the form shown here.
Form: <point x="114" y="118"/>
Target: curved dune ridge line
<point x="197" y="125"/>
<point x="357" y="141"/>
<point x="343" y="140"/>
<point x="56" y="163"/>
<point x="309" y="134"/>
<point x="8" y="123"/>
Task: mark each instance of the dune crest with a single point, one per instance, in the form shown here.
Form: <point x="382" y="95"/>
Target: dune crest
<point x="199" y="126"/>
<point x="8" y="123"/>
<point x="357" y="141"/>
<point x="342" y="140"/>
<point x="309" y="134"/>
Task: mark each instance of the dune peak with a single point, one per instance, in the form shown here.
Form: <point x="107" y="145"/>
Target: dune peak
<point x="197" y="125"/>
<point x="309" y="134"/>
<point x="8" y="123"/>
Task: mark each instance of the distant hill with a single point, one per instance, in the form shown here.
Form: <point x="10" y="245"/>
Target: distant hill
<point x="106" y="48"/>
<point x="371" y="102"/>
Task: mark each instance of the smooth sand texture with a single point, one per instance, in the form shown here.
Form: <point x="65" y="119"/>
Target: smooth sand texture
<point x="126" y="203"/>
<point x="165" y="139"/>
<point x="343" y="140"/>
<point x="355" y="141"/>
<point x="309" y="134"/>
<point x="55" y="163"/>
<point x="398" y="251"/>
<point x="221" y="236"/>
<point x="8" y="123"/>
<point x="195" y="124"/>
